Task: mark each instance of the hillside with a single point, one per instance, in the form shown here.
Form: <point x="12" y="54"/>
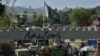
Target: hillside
<point x="22" y="9"/>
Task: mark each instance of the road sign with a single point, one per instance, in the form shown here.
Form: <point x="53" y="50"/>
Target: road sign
<point x="92" y="42"/>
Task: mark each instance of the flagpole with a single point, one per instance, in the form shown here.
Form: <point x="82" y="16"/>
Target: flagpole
<point x="43" y="15"/>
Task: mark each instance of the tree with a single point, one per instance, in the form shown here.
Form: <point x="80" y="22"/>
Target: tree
<point x="64" y="16"/>
<point x="8" y="49"/>
<point x="24" y="18"/>
<point x="39" y="20"/>
<point x="16" y="18"/>
<point x="4" y="23"/>
<point x="92" y="17"/>
<point x="93" y="14"/>
<point x="79" y="16"/>
<point x="34" y="15"/>
<point x="2" y="7"/>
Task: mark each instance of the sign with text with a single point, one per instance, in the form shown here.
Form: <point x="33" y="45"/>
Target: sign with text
<point x="92" y="42"/>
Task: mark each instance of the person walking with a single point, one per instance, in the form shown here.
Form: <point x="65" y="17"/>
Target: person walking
<point x="76" y="52"/>
<point x="68" y="52"/>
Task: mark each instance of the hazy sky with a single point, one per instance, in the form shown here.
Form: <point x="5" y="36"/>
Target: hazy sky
<point x="60" y="4"/>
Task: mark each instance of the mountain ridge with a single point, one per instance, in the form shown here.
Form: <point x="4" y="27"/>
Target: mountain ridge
<point x="20" y="9"/>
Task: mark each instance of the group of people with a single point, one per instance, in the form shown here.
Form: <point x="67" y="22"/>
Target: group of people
<point x="67" y="51"/>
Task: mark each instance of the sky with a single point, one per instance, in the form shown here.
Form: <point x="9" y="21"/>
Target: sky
<point x="59" y="4"/>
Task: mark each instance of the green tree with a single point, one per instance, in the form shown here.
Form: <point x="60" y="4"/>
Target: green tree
<point x="17" y="19"/>
<point x="34" y="15"/>
<point x="24" y="18"/>
<point x="4" y="23"/>
<point x="39" y="20"/>
<point x="1" y="43"/>
<point x="92" y="17"/>
<point x="93" y="14"/>
<point x="1" y="9"/>
<point x="64" y="16"/>
<point x="8" y="48"/>
<point x="79" y="16"/>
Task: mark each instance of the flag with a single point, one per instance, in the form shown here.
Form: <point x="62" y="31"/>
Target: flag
<point x="46" y="9"/>
<point x="51" y="13"/>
